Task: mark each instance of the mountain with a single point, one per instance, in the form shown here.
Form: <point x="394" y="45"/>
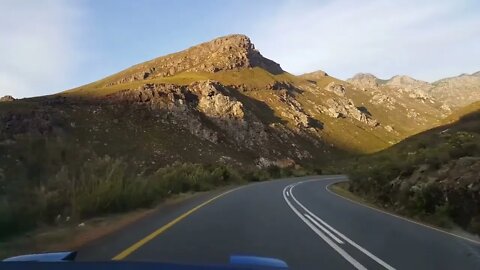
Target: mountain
<point x="210" y="115"/>
<point x="221" y="101"/>
<point x="453" y="93"/>
<point x="457" y="91"/>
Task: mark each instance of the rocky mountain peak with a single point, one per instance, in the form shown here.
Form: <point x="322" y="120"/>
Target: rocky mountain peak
<point x="406" y="81"/>
<point x="364" y="80"/>
<point x="232" y="52"/>
<point x="316" y="75"/>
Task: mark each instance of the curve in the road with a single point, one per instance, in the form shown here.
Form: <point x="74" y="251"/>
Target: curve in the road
<point x="313" y="221"/>
<point x="295" y="220"/>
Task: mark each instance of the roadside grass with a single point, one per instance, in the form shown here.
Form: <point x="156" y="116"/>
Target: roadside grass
<point x="78" y="206"/>
<point x="103" y="185"/>
<point x="422" y="177"/>
<point x="439" y="220"/>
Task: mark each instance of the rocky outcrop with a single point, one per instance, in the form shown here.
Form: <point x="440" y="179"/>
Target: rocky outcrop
<point x="231" y="52"/>
<point x="190" y="105"/>
<point x="295" y="112"/>
<point x="335" y="88"/>
<point x="413" y="88"/>
<point x="380" y="98"/>
<point x="7" y="98"/>
<point x="457" y="92"/>
<point x="214" y="104"/>
<point x="345" y="108"/>
<point x="364" y="81"/>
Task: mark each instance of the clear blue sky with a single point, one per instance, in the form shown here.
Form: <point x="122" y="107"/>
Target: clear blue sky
<point x="52" y="45"/>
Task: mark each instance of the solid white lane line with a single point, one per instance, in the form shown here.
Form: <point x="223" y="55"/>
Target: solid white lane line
<point x="338" y="249"/>
<point x="364" y="251"/>
<point x="288" y="193"/>
<point x="323" y="229"/>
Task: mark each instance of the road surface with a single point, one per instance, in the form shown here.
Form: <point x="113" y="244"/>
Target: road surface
<point x="297" y="220"/>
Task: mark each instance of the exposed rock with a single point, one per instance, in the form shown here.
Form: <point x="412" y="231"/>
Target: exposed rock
<point x="380" y="98"/>
<point x="402" y="81"/>
<point x="345" y="108"/>
<point x="186" y="104"/>
<point x="457" y="92"/>
<point x="364" y="80"/>
<point x="413" y="88"/>
<point x="231" y="52"/>
<point x="338" y="89"/>
<point x="412" y="114"/>
<point x="263" y="162"/>
<point x="389" y="128"/>
<point x="214" y="104"/>
<point x="295" y="113"/>
<point x="446" y="108"/>
<point x="7" y="98"/>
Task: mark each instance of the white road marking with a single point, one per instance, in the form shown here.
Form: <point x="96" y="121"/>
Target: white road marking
<point x="364" y="251"/>
<point x="338" y="249"/>
<point x="288" y="193"/>
<point x="323" y="229"/>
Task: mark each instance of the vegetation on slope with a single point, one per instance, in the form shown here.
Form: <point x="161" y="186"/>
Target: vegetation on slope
<point x="434" y="176"/>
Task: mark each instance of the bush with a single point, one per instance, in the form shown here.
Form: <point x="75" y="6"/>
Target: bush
<point x="101" y="186"/>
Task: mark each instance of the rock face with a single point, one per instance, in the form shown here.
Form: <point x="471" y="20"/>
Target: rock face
<point x="214" y="104"/>
<point x="295" y="111"/>
<point x="406" y="82"/>
<point x="7" y="99"/>
<point x="457" y="92"/>
<point x="364" y="80"/>
<point x="345" y="108"/>
<point x="338" y="89"/>
<point x="189" y="103"/>
<point x="232" y="52"/>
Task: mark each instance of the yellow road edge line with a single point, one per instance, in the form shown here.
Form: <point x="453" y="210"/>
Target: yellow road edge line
<point x="122" y="255"/>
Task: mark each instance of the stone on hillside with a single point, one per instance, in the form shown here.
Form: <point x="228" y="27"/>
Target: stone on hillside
<point x="215" y="104"/>
<point x="364" y="80"/>
<point x="345" y="108"/>
<point x="382" y="99"/>
<point x="338" y="89"/>
<point x="389" y="128"/>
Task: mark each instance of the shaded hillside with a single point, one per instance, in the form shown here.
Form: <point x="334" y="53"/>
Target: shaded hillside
<point x="433" y="176"/>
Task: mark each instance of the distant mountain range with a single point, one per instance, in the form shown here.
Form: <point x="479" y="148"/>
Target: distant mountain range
<point x="454" y="92"/>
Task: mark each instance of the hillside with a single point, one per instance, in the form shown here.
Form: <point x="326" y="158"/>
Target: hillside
<point x="432" y="176"/>
<point x="203" y="117"/>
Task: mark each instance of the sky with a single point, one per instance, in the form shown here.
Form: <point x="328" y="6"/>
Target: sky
<point x="53" y="45"/>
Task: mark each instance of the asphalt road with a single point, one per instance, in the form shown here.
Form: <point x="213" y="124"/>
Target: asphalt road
<point x="297" y="220"/>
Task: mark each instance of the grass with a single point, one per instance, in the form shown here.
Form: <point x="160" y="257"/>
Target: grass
<point x="440" y="220"/>
<point x="420" y="177"/>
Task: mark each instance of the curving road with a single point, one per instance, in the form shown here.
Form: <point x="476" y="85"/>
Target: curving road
<point x="297" y="220"/>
